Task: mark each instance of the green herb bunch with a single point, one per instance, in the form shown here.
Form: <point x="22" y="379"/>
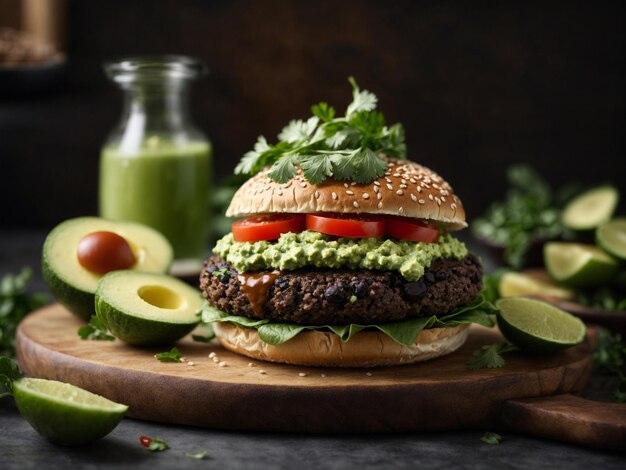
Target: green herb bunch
<point x="609" y="358"/>
<point x="15" y="303"/>
<point x="531" y="211"/>
<point x="351" y="147"/>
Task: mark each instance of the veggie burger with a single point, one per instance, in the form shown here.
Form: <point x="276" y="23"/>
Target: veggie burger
<point x="345" y="255"/>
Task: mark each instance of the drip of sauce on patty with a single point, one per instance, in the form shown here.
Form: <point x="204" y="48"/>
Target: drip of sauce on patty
<point x="255" y="286"/>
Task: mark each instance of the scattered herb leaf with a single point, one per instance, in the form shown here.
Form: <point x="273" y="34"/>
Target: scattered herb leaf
<point x="489" y="356"/>
<point x="9" y="371"/>
<point x="348" y="147"/>
<point x="15" y="304"/>
<point x="198" y="455"/>
<point x="491" y="438"/>
<point x="95" y="330"/>
<point x="173" y="355"/>
<point x="153" y="444"/>
<point x="609" y="357"/>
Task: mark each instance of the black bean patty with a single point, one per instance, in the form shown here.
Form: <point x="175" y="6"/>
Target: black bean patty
<point x="333" y="296"/>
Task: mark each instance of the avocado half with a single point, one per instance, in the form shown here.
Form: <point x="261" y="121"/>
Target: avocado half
<point x="74" y="286"/>
<point x="146" y="309"/>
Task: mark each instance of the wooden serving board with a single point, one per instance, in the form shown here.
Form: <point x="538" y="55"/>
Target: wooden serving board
<point x="530" y="394"/>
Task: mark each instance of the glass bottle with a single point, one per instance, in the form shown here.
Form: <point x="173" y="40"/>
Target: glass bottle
<point x="155" y="167"/>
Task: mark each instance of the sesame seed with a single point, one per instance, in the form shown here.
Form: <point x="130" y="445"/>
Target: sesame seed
<point x="262" y="372"/>
<point x="388" y="180"/>
<point x="353" y="184"/>
<point x="250" y="364"/>
<point x="222" y="364"/>
<point x="335" y="195"/>
<point x="443" y="198"/>
<point x="355" y="204"/>
<point x="376" y="183"/>
<point x="403" y="186"/>
<point x="396" y="175"/>
<point x="399" y="192"/>
<point x="366" y="196"/>
<point x="323" y="375"/>
<point x="430" y="196"/>
<point x="413" y="180"/>
<point x="346" y="185"/>
<point x="413" y="197"/>
<point x="376" y="189"/>
<point x="419" y="189"/>
<point x="369" y="374"/>
<point x="380" y="205"/>
<point x="350" y="193"/>
<point x="438" y="201"/>
<point x="303" y="185"/>
<point x="212" y="354"/>
<point x="421" y="201"/>
<point x="401" y="209"/>
<point x="379" y="196"/>
<point x="389" y="187"/>
<point x="191" y="363"/>
<point x="453" y="205"/>
<point x="216" y="359"/>
<point x="302" y="374"/>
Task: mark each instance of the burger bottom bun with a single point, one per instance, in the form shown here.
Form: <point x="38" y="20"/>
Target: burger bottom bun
<point x="365" y="349"/>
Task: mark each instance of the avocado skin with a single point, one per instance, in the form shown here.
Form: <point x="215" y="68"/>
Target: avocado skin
<point x="140" y="331"/>
<point x="78" y="302"/>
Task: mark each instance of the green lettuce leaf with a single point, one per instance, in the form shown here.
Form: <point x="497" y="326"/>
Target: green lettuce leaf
<point x="405" y="332"/>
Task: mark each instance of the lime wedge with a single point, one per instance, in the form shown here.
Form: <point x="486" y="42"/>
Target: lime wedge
<point x="66" y="414"/>
<point x="578" y="265"/>
<point x="611" y="237"/>
<point x="513" y="284"/>
<point x="591" y="208"/>
<point x="538" y="327"/>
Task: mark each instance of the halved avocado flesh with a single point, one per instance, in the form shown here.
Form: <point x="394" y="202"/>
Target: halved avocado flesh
<point x="147" y="309"/>
<point x="74" y="286"/>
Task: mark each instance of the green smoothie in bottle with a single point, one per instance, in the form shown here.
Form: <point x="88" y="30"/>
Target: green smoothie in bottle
<point x="155" y="168"/>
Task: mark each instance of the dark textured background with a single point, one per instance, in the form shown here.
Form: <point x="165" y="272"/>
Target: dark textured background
<point x="478" y="86"/>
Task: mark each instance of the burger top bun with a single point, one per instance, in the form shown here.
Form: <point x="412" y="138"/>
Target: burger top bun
<point x="407" y="189"/>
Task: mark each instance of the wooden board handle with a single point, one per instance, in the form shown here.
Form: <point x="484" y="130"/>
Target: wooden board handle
<point x="569" y="418"/>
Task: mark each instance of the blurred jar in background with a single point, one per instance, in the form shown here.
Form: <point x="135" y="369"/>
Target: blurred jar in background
<point x="155" y="167"/>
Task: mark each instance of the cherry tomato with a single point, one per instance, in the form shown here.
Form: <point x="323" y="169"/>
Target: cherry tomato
<point x="266" y="227"/>
<point x="348" y="225"/>
<point x="145" y="441"/>
<point x="411" y="229"/>
<point x="101" y="252"/>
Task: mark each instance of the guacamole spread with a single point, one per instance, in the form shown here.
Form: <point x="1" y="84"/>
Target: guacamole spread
<point x="308" y="248"/>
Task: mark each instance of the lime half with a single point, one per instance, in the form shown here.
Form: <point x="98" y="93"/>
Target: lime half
<point x="591" y="208"/>
<point x="513" y="284"/>
<point x="538" y="327"/>
<point x="578" y="265"/>
<point x="66" y="414"/>
<point x="611" y="237"/>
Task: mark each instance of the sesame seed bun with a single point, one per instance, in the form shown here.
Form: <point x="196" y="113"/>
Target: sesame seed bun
<point x="407" y="189"/>
<point x="365" y="349"/>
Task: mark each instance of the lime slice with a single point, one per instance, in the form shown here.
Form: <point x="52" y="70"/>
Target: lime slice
<point x="514" y="284"/>
<point x="591" y="208"/>
<point x="536" y="326"/>
<point x="66" y="414"/>
<point x="611" y="237"/>
<point x="578" y="265"/>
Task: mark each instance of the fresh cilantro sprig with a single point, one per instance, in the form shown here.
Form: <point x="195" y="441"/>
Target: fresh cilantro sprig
<point x="489" y="356"/>
<point x="203" y="455"/>
<point x="491" y="438"/>
<point x="9" y="372"/>
<point x="222" y="273"/>
<point x="173" y="355"/>
<point x="350" y="147"/>
<point x="153" y="444"/>
<point x="15" y="303"/>
<point x="95" y="330"/>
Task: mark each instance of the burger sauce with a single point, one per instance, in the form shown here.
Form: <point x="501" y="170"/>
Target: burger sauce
<point x="255" y="286"/>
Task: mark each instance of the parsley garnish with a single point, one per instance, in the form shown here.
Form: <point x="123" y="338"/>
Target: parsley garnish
<point x="491" y="438"/>
<point x="222" y="273"/>
<point x="609" y="357"/>
<point x="173" y="355"/>
<point x="15" y="304"/>
<point x="198" y="455"/>
<point x="153" y="444"/>
<point x="95" y="330"/>
<point x="489" y="356"/>
<point x="9" y="371"/>
<point x="350" y="147"/>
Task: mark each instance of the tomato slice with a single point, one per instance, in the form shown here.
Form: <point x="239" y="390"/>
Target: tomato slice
<point x="411" y="229"/>
<point x="349" y="225"/>
<point x="266" y="227"/>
